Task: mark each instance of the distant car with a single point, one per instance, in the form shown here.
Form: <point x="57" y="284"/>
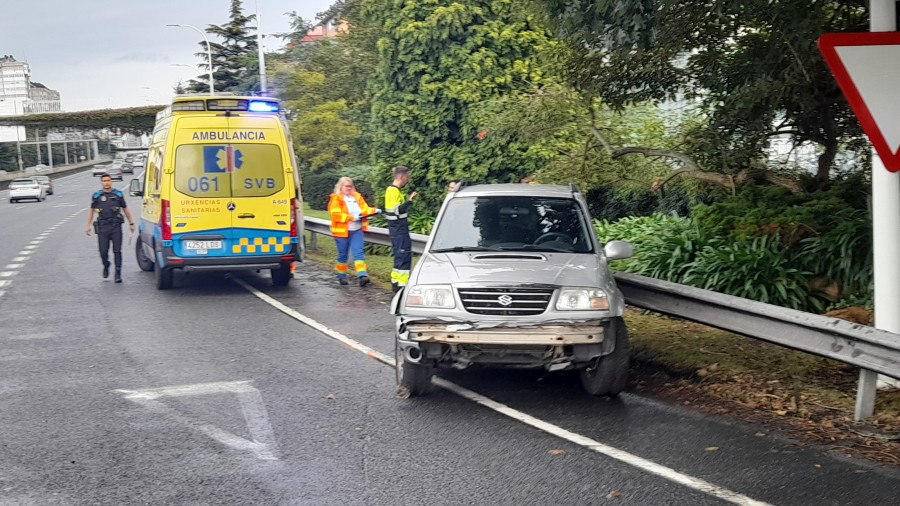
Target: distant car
<point x="46" y="182"/>
<point x="115" y="173"/>
<point x="99" y="170"/>
<point x="26" y="188"/>
<point x="128" y="167"/>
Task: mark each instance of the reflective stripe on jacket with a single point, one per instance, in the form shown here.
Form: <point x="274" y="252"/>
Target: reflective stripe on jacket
<point x="339" y="215"/>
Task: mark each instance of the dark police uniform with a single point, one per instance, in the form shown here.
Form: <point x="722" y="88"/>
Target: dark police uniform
<point x="108" y="225"/>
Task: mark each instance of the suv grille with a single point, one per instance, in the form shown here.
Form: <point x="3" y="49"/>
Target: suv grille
<point x="505" y="301"/>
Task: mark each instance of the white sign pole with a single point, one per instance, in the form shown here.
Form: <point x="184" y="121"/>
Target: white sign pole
<point x="885" y="236"/>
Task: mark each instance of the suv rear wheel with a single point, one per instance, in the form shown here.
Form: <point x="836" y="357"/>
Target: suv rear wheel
<point x="412" y="379"/>
<point x="607" y="375"/>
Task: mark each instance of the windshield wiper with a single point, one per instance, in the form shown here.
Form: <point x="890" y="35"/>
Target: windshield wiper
<point x="460" y="249"/>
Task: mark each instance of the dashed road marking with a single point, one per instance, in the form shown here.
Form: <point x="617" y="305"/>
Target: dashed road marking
<point x="8" y="274"/>
<point x="590" y="444"/>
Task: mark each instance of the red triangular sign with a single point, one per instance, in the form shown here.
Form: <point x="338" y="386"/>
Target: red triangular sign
<point x="866" y="67"/>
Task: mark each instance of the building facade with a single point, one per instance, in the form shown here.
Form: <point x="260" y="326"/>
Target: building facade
<point x="20" y="95"/>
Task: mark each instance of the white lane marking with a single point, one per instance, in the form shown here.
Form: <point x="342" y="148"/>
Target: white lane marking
<point x="14" y="266"/>
<point x="19" y="259"/>
<point x="5" y="282"/>
<point x="36" y="242"/>
<point x="26" y="252"/>
<point x="612" y="452"/>
<point x="30" y="246"/>
<point x="8" y="274"/>
<point x="262" y="444"/>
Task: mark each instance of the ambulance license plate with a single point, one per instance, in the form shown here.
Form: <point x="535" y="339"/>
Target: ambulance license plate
<point x="203" y="245"/>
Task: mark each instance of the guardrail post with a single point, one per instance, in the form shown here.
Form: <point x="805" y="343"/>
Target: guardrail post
<point x="865" y="394"/>
<point x="313" y="241"/>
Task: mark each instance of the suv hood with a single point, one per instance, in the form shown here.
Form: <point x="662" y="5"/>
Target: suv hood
<point x="512" y="267"/>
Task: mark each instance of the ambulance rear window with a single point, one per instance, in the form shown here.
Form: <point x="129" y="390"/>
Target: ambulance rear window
<point x="228" y="170"/>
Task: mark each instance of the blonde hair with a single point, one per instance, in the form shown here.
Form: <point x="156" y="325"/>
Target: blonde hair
<point x="340" y="182"/>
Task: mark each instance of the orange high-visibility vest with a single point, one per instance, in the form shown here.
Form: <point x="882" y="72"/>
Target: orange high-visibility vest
<point x="339" y="215"/>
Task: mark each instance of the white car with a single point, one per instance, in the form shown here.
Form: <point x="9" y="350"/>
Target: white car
<point x="99" y="170"/>
<point x="26" y="188"/>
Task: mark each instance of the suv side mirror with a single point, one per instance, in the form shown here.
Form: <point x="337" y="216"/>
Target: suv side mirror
<point x="136" y="188"/>
<point x="618" y="250"/>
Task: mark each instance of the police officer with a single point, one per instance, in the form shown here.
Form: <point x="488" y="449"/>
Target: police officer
<point x="109" y="204"/>
<point x="395" y="210"/>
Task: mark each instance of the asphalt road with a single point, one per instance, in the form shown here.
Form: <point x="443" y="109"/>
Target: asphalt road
<point x="225" y="390"/>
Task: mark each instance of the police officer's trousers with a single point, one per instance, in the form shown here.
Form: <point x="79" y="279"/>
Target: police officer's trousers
<point x="401" y="245"/>
<point x="114" y="236"/>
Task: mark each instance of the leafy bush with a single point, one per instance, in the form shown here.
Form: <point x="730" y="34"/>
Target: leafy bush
<point x="318" y="186"/>
<point x="677" y="249"/>
<point x="663" y="244"/>
<point x="844" y="253"/>
<point x="759" y="268"/>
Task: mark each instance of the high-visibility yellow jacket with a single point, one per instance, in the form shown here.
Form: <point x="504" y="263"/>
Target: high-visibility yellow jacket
<point x="340" y="217"/>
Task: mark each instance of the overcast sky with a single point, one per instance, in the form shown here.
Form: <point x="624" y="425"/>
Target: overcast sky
<point x="119" y="53"/>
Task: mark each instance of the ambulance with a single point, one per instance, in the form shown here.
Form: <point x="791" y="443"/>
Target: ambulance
<point x="220" y="190"/>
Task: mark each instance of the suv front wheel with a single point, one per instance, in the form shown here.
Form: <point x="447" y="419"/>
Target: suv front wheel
<point x="607" y="375"/>
<point x="412" y="379"/>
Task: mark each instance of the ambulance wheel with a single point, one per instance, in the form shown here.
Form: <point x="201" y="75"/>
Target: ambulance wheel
<point x="145" y="263"/>
<point x="164" y="277"/>
<point x="282" y="275"/>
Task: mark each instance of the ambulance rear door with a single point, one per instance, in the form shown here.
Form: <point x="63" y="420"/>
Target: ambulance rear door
<point x="261" y="187"/>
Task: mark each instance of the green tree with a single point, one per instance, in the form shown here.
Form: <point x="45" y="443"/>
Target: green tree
<point x="752" y="65"/>
<point x="322" y="84"/>
<point x="235" y="59"/>
<point x="436" y="61"/>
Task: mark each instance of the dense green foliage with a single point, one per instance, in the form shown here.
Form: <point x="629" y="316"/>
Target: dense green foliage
<point x="436" y="61"/>
<point x="318" y="186"/>
<point x="798" y="251"/>
<point x="753" y="65"/>
<point x="135" y="120"/>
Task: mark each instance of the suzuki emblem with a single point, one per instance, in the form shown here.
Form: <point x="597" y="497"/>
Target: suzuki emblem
<point x="505" y="300"/>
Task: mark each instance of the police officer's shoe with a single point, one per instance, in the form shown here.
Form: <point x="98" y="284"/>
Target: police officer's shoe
<point x="363" y="280"/>
<point x="105" y="271"/>
<point x="395" y="287"/>
<point x="343" y="281"/>
<point x="118" y="275"/>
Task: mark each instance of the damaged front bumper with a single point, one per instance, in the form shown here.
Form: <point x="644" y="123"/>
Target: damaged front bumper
<point x="553" y="346"/>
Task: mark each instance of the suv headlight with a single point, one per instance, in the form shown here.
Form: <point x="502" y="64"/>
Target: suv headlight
<point x="580" y="299"/>
<point x="431" y="296"/>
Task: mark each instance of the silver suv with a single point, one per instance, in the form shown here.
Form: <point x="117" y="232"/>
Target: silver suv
<point x="513" y="275"/>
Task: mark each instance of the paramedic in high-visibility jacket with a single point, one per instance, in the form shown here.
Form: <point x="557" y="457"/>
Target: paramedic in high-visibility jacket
<point x="348" y="211"/>
<point x="396" y="207"/>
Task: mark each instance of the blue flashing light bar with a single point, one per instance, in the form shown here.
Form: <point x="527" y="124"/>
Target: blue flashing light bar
<point x="263" y="106"/>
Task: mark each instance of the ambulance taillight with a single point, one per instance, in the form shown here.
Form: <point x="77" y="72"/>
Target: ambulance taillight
<point x="165" y="220"/>
<point x="293" y="217"/>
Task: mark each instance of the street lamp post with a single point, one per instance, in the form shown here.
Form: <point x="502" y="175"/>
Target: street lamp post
<point x="208" y="54"/>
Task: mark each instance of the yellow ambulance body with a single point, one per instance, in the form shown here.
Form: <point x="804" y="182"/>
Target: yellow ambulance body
<point x="220" y="190"/>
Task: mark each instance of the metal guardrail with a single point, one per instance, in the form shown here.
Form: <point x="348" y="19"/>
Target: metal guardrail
<point x="374" y="235"/>
<point x="866" y="347"/>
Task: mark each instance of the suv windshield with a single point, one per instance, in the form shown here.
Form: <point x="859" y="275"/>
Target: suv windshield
<point x="512" y="223"/>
